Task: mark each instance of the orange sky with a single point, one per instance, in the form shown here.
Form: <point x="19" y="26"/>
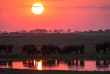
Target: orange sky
<point x="58" y="14"/>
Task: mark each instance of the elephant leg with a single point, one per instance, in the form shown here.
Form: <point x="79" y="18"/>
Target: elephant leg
<point x="76" y="52"/>
<point x="43" y="53"/>
<point x="83" y="52"/>
<point x="104" y="51"/>
<point x="33" y="53"/>
<point x="108" y="50"/>
<point x="28" y="54"/>
<point x="98" y="51"/>
<point x="68" y="53"/>
<point x="10" y="50"/>
<point x="80" y="52"/>
<point x="47" y="54"/>
<point x="5" y="50"/>
<point x="24" y="52"/>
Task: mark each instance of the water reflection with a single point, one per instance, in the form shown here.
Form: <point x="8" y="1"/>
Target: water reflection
<point x="50" y="63"/>
<point x="3" y="63"/>
<point x="79" y="65"/>
<point x="102" y="64"/>
<point x="33" y="64"/>
<point x="6" y="63"/>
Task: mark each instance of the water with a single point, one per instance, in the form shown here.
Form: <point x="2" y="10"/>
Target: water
<point x="74" y="65"/>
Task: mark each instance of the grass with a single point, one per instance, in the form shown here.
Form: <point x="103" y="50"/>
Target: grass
<point x="16" y="71"/>
<point x="58" y="57"/>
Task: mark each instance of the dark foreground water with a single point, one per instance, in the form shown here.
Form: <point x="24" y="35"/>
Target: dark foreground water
<point x="74" y="65"/>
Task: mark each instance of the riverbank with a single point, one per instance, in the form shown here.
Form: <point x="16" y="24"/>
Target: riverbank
<point x="17" y="71"/>
<point x="85" y="56"/>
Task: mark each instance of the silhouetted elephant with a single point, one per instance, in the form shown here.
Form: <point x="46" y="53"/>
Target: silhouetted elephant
<point x="69" y="49"/>
<point x="107" y="45"/>
<point x="49" y="49"/>
<point x="38" y="52"/>
<point x="10" y="47"/>
<point x="58" y="49"/>
<point x="3" y="48"/>
<point x="81" y="49"/>
<point x="100" y="47"/>
<point x="29" y="49"/>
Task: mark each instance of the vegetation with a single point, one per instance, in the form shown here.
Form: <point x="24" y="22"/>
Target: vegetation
<point x="16" y="71"/>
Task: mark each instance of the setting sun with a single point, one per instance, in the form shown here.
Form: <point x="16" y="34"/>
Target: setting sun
<point x="37" y="8"/>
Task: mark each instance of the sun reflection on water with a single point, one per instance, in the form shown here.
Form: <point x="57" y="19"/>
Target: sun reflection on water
<point x="80" y="65"/>
<point x="38" y="64"/>
<point x="39" y="67"/>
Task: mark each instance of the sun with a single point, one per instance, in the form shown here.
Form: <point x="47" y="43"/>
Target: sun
<point x="37" y="8"/>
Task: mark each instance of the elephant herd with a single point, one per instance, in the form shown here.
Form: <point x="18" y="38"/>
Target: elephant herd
<point x="103" y="46"/>
<point x="6" y="48"/>
<point x="77" y="49"/>
<point x="48" y="49"/>
<point x="29" y="49"/>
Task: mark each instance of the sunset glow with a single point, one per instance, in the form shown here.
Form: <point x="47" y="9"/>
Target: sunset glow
<point x="77" y="15"/>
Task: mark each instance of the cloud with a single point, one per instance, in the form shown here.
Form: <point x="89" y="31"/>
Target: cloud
<point x="66" y="7"/>
<point x="85" y="7"/>
<point x="104" y="7"/>
<point x="93" y="7"/>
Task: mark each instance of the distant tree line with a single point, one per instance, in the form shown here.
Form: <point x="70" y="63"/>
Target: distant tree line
<point x="36" y="31"/>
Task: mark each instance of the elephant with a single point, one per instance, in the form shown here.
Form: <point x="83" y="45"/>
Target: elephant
<point x="58" y="49"/>
<point x="81" y="49"/>
<point x="30" y="48"/>
<point x="99" y="47"/>
<point x="38" y="52"/>
<point x="107" y="45"/>
<point x="65" y="50"/>
<point x="3" y="48"/>
<point x="69" y="49"/>
<point x="10" y="47"/>
<point x="50" y="49"/>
